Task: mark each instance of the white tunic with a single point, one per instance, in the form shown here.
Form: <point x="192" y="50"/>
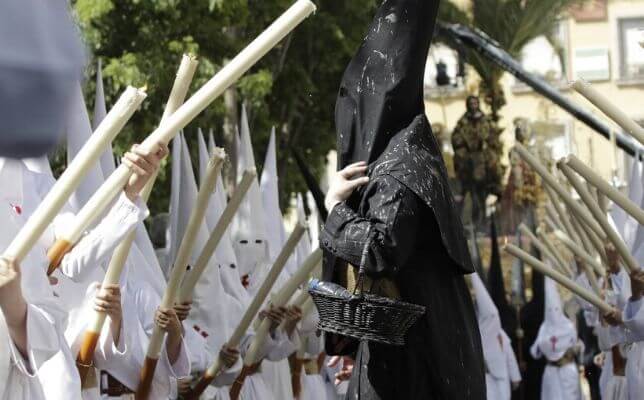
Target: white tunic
<point x="633" y="317"/>
<point x="51" y="370"/>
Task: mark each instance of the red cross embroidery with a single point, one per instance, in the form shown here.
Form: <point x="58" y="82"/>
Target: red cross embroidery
<point x="17" y="209"/>
<point x="553" y="340"/>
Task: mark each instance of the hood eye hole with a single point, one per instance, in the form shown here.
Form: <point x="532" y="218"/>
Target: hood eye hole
<point x="233" y="266"/>
<point x="243" y="241"/>
<point x="258" y="241"/>
<point x="343" y="91"/>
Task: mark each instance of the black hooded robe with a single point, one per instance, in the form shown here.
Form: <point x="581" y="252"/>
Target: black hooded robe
<point x="407" y="214"/>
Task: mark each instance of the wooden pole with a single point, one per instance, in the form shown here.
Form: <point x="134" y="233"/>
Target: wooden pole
<point x="604" y="187"/>
<point x="85" y="355"/>
<point x="188" y="241"/>
<point x="564" y="281"/>
<point x="57" y="197"/>
<point x="226" y="76"/>
<point x="600" y="217"/>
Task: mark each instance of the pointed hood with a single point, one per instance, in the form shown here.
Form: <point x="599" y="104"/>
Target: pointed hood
<point x="518" y="277"/>
<point x="557" y="333"/>
<point x="269" y="188"/>
<point x="39" y="165"/>
<point x="312" y="183"/>
<point x="212" y="309"/>
<point x="474" y="249"/>
<point x="314" y="222"/>
<point x="224" y="253"/>
<point x="100" y="111"/>
<point x="382" y="88"/>
<point x="175" y="232"/>
<point x="211" y="141"/>
<point x="79" y="130"/>
<point x="496" y="285"/>
<point x="380" y="115"/>
<point x="304" y="248"/>
<point x="490" y="329"/>
<point x="249" y="226"/>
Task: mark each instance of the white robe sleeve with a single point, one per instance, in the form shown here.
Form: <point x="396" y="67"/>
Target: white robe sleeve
<point x="280" y="345"/>
<point x="94" y="248"/>
<point x="179" y="370"/>
<point x="633" y="317"/>
<point x="513" y="365"/>
<point x="43" y="341"/>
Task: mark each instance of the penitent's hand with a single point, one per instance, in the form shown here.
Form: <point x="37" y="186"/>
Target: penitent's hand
<point x="108" y="301"/>
<point x="612" y="257"/>
<point x="12" y="303"/>
<point x="637" y="285"/>
<point x="344" y="182"/>
<point x="167" y="320"/>
<point x="228" y="355"/>
<point x="182" y="310"/>
<point x="144" y="164"/>
<point x="345" y="371"/>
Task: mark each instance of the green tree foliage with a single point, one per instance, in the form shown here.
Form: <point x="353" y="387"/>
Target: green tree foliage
<point x="293" y="88"/>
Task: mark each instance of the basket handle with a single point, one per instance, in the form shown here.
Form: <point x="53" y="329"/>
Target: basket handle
<point x="363" y="262"/>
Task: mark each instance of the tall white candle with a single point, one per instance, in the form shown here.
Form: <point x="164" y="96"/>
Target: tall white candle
<point x="558" y="208"/>
<point x="258" y="300"/>
<point x="589" y="240"/>
<point x="559" y="258"/>
<point x="51" y="205"/>
<point x="579" y="252"/>
<point x="564" y="281"/>
<point x="600" y="217"/>
<point x="228" y="75"/>
<point x="188" y="241"/>
<point x="279" y="300"/>
<point x="538" y="244"/>
<point x="560" y="190"/>
<point x="611" y="110"/>
<point x="190" y="281"/>
<point x="185" y="73"/>
<point x="620" y="199"/>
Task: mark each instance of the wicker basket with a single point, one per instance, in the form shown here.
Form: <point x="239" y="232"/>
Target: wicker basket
<point x="366" y="316"/>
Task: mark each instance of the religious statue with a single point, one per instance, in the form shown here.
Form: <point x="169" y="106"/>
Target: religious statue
<point x="524" y="186"/>
<point x="477" y="151"/>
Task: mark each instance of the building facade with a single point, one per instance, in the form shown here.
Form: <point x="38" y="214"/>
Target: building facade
<point x="599" y="43"/>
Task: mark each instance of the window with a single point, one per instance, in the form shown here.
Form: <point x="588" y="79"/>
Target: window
<point x="545" y="59"/>
<point x="553" y="136"/>
<point x="592" y="64"/>
<point x="441" y="56"/>
<point x="631" y="54"/>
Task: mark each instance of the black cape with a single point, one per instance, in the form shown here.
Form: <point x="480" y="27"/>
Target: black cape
<point x="408" y="216"/>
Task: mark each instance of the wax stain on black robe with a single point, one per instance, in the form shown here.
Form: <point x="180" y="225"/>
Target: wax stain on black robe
<point x="407" y="215"/>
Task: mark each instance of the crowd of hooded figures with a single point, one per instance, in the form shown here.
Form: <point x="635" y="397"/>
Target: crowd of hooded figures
<point x="42" y="363"/>
<point x="389" y="211"/>
<point x="42" y="366"/>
